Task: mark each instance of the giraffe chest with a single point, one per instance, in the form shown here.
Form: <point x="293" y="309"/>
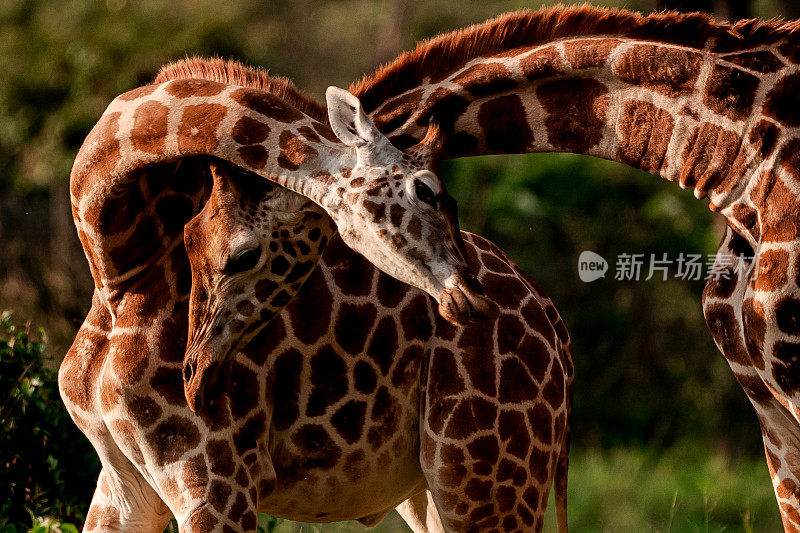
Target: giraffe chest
<point x="344" y="436"/>
<point x="361" y="483"/>
<point x="345" y="443"/>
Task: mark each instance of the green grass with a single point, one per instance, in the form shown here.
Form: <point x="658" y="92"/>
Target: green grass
<point x="685" y="489"/>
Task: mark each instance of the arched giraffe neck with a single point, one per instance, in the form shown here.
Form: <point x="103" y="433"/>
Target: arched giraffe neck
<point x="706" y="119"/>
<point x="131" y="191"/>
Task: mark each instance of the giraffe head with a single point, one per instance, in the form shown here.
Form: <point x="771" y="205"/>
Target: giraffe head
<point x="251" y="248"/>
<point x="394" y="210"/>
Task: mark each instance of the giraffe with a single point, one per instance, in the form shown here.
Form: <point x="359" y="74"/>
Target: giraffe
<point x="709" y="105"/>
<point x="494" y="413"/>
<point x="381" y="204"/>
<point x="122" y="379"/>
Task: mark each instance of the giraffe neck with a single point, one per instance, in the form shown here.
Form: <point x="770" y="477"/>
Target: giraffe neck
<point x="705" y="119"/>
<point x="131" y="198"/>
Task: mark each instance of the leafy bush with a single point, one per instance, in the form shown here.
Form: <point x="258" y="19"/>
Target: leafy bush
<point x="48" y="467"/>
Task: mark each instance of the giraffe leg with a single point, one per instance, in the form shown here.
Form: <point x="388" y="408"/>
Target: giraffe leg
<point x="124" y="501"/>
<point x="560" y="482"/>
<point x="562" y="463"/>
<point x="483" y="478"/>
<point x="420" y="513"/>
<point x="780" y="431"/>
<point x="733" y="315"/>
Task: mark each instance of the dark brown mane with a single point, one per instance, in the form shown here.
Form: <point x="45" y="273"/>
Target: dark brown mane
<point x="527" y="28"/>
<point x="235" y="73"/>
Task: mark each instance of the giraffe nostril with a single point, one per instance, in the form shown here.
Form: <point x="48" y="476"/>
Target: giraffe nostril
<point x="472" y="283"/>
<point x="188" y="372"/>
<point x="477" y="286"/>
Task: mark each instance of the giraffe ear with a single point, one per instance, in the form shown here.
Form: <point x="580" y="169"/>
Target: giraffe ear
<point x="350" y="124"/>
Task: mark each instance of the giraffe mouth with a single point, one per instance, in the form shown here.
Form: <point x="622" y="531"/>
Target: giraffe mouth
<point x="203" y="383"/>
<point x="463" y="302"/>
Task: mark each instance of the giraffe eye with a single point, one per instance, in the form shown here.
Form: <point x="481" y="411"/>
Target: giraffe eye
<point x="243" y="261"/>
<point x="424" y="193"/>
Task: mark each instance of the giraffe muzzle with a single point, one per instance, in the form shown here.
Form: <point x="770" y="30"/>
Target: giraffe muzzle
<point x="203" y="381"/>
<point x="463" y="302"/>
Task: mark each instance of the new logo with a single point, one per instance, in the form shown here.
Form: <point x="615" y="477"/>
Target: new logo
<point x="591" y="266"/>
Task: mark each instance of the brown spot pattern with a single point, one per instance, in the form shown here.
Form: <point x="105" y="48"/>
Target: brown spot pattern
<point x="781" y="101"/>
<point x="255" y="156"/>
<point x="708" y="154"/>
<point x="294" y="152"/>
<point x="763" y="137"/>
<point x="773" y="270"/>
<point x="762" y="61"/>
<point x="504" y="125"/>
<point x="576" y="112"/>
<point x="310" y="311"/>
<point x="194" y="87"/>
<point x="149" y="127"/>
<point x="353" y="325"/>
<point x="328" y="381"/>
<point x="172" y="438"/>
<point x="589" y="53"/>
<point x="249" y="131"/>
<point x="138" y="92"/>
<point x="731" y="92"/>
<point x="725" y="330"/>
<point x="483" y="79"/>
<point x="645" y="132"/>
<point x="445" y="105"/>
<point x="665" y="70"/>
<point x="396" y="112"/>
<point x="779" y="221"/>
<point x="198" y="127"/>
<point x="267" y="104"/>
<point x="544" y="63"/>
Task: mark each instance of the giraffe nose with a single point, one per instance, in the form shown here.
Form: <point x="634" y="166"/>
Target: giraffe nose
<point x="474" y="285"/>
<point x="188" y="371"/>
<point x="464" y="302"/>
<point x="206" y="376"/>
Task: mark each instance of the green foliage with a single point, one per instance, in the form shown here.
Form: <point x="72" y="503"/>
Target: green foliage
<point x="47" y="466"/>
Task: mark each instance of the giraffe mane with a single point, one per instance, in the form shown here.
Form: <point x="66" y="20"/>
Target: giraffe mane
<point x="235" y="73"/>
<point x="526" y="28"/>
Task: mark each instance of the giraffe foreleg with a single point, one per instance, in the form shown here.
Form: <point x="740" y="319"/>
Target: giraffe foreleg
<point x="420" y="513"/>
<point x="781" y="434"/>
<point x="735" y="318"/>
<point x="482" y="479"/>
<point x="124" y="502"/>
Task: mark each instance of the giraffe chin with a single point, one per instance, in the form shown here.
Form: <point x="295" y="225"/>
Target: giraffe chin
<point x="463" y="305"/>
